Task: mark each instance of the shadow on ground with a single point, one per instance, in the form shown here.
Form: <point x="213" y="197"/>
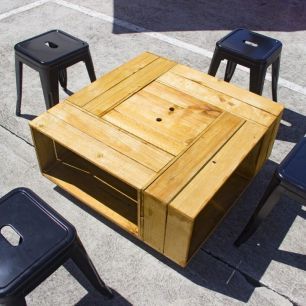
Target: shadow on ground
<point x="195" y="15"/>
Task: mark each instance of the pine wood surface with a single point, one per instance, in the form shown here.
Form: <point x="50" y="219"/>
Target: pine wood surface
<point x="159" y="148"/>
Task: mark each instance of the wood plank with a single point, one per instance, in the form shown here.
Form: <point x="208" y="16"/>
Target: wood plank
<point x="118" y="93"/>
<point x="200" y="190"/>
<point x="229" y="89"/>
<point x="184" y="236"/>
<point x="146" y="130"/>
<point x="94" y="151"/>
<point x="195" y="158"/>
<point x="111" y="79"/>
<point x="181" y="99"/>
<point x="135" y="148"/>
<point x="180" y="173"/>
<point x="218" y="99"/>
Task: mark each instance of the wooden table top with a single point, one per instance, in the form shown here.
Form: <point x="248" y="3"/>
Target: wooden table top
<point x="171" y="132"/>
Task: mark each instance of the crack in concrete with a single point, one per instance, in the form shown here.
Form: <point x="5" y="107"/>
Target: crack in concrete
<point x="16" y="135"/>
<point x="249" y="279"/>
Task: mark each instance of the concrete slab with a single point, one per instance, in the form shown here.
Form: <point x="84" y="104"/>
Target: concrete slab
<point x="270" y="268"/>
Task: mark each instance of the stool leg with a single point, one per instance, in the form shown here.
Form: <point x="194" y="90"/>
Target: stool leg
<point x="82" y="260"/>
<point x="90" y="67"/>
<point x="266" y="204"/>
<point x="62" y="76"/>
<point x="257" y="79"/>
<point x="230" y="69"/>
<point x="18" y="71"/>
<point x="14" y="301"/>
<point x="215" y="63"/>
<point x="49" y="83"/>
<point x="275" y="74"/>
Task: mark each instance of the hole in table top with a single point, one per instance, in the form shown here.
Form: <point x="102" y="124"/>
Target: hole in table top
<point x="10" y="235"/>
<point x="159" y="119"/>
<point x="250" y="43"/>
<point x="50" y="44"/>
<point x="171" y="109"/>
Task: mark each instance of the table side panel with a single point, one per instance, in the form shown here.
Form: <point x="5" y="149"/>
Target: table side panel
<point x="177" y="176"/>
<point x="94" y="151"/>
<point x="184" y="210"/>
<point x="126" y="88"/>
<point x="111" y="79"/>
<point x="127" y="144"/>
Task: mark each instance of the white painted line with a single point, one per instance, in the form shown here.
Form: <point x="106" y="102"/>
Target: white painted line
<point x="22" y="9"/>
<point x="170" y="40"/>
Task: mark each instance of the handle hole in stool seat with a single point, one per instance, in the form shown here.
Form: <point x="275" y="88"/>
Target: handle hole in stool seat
<point x="11" y="235"/>
<point x="50" y="44"/>
<point x="250" y="43"/>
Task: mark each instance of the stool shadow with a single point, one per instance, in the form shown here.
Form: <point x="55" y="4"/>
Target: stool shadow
<point x="293" y="127"/>
<point x="93" y="297"/>
<point x="216" y="265"/>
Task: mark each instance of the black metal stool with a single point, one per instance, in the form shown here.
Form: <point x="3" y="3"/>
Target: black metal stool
<point x="50" y="54"/>
<point x="289" y="179"/>
<point x="45" y="241"/>
<point x="251" y="50"/>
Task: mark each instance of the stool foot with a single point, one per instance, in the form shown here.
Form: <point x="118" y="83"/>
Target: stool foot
<point x="215" y="63"/>
<point x="49" y="83"/>
<point x="229" y="71"/>
<point x="257" y="79"/>
<point x="18" y="71"/>
<point x="275" y="75"/>
<point x="84" y="263"/>
<point x="90" y="67"/>
<point x="14" y="301"/>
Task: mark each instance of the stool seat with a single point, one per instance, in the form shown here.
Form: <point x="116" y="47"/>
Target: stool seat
<point x="251" y="50"/>
<point x="46" y="241"/>
<point x="50" y="54"/>
<point x="293" y="168"/>
<point x="51" y="47"/>
<point x="249" y="45"/>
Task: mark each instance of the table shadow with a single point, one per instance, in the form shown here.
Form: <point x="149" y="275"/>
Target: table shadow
<point x="196" y="15"/>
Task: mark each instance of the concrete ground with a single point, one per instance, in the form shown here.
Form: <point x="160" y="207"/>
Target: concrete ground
<point x="270" y="269"/>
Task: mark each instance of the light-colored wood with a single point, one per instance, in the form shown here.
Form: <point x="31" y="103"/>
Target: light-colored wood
<point x="218" y="169"/>
<point x="193" y="201"/>
<point x="217" y="99"/>
<point x="229" y="89"/>
<point x="158" y="195"/>
<point x="185" y="236"/>
<point x="111" y="79"/>
<point x="127" y="144"/>
<point x="91" y="192"/>
<point x="44" y="149"/>
<point x="178" y="127"/>
<point x="93" y="150"/>
<point x="169" y="181"/>
<point x="118" y="93"/>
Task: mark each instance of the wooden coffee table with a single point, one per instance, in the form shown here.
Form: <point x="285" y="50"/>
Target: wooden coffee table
<point x="159" y="148"/>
